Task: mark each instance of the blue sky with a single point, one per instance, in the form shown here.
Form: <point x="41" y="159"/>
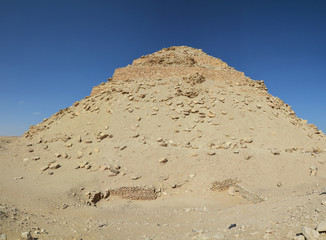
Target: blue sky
<point x="53" y="52"/>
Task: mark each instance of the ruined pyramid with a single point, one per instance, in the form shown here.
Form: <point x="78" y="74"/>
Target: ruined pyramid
<point x="176" y="120"/>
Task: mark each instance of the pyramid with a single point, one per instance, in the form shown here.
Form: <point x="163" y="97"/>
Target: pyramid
<point x="184" y="106"/>
<point x="174" y="122"/>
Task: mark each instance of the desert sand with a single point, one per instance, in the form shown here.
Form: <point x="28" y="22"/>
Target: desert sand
<point x="177" y="145"/>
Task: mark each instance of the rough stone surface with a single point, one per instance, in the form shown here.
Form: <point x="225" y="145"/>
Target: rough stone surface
<point x="321" y="227"/>
<point x="310" y="234"/>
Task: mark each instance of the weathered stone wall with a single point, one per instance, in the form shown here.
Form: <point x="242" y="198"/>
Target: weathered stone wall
<point x="175" y="62"/>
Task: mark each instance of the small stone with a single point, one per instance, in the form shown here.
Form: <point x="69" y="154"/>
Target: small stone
<point x="279" y="184"/>
<point x="135" y="177"/>
<point x="231" y="191"/>
<point x="88" y="141"/>
<point x="313" y="171"/>
<point x="163" y="160"/>
<point x="31" y="150"/>
<point x="103" y="168"/>
<point x="159" y="140"/>
<point x="113" y="173"/>
<point x="83" y="164"/>
<point x="247" y="157"/>
<point x="96" y="150"/>
<point x="275" y="151"/>
<point x="54" y="166"/>
<point x="227" y="145"/>
<point x="102" y="136"/>
<point x="236" y="151"/>
<point x="69" y="145"/>
<point x="122" y="148"/>
<point x="25" y="159"/>
<point x="321" y="226"/>
<point x="318" y="210"/>
<point x="17" y="178"/>
<point x="3" y="236"/>
<point x="232" y="225"/>
<point x="57" y="155"/>
<point x="248" y="140"/>
<point x="309" y="233"/>
<point x="79" y="154"/>
<point x="64" y="206"/>
<point x="44" y="168"/>
<point x="27" y="235"/>
<point x="211" y="153"/>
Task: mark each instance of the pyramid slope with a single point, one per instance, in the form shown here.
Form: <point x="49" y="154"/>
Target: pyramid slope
<point x="189" y="118"/>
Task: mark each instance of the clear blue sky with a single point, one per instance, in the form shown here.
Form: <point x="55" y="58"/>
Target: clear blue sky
<point x="53" y="52"/>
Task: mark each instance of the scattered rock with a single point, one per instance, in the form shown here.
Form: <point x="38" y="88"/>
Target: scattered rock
<point x="211" y="153"/>
<point x="309" y="233"/>
<point x="232" y="225"/>
<point x="122" y="148"/>
<point x="321" y="226"/>
<point x="248" y="140"/>
<point x="163" y="160"/>
<point x="54" y="166"/>
<point x="313" y="171"/>
<point x="101" y="136"/>
<point x="231" y="191"/>
<point x="3" y="236"/>
<point x="275" y="151"/>
<point x="163" y="144"/>
<point x="247" y="157"/>
<point x="135" y="177"/>
<point x="64" y="206"/>
<point x="80" y="154"/>
<point x="27" y="235"/>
